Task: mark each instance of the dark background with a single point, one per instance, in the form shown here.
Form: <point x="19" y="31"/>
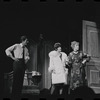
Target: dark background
<point x="57" y="21"/>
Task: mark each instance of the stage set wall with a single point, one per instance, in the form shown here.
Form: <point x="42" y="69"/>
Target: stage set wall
<point x="39" y="61"/>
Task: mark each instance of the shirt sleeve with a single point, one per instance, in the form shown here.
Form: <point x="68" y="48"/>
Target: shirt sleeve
<point x="27" y="54"/>
<point x="51" y="65"/>
<point x="10" y="49"/>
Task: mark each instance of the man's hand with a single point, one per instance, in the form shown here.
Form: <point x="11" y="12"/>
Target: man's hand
<point x="15" y="59"/>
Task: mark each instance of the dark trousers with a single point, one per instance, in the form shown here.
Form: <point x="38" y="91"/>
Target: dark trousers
<point x="18" y="77"/>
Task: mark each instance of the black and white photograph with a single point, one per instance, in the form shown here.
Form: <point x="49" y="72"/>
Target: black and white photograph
<point x="49" y="49"/>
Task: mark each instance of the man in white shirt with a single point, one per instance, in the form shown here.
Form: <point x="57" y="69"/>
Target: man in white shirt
<point x="19" y="53"/>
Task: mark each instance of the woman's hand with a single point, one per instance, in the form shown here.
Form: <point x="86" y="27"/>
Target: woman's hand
<point x="84" y="61"/>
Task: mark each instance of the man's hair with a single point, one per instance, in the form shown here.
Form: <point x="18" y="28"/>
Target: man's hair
<point x="23" y="38"/>
<point x="57" y="45"/>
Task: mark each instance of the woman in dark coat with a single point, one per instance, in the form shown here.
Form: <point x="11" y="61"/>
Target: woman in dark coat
<point x="77" y="63"/>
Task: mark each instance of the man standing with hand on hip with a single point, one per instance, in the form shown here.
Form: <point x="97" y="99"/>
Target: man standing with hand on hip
<point x="20" y="56"/>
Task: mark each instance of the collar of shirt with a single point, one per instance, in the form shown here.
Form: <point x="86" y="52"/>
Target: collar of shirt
<point x="21" y="44"/>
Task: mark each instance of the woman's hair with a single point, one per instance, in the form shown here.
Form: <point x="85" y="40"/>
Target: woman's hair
<point x="57" y="45"/>
<point x="23" y="38"/>
<point x="74" y="43"/>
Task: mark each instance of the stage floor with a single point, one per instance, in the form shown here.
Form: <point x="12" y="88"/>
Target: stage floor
<point x="31" y="96"/>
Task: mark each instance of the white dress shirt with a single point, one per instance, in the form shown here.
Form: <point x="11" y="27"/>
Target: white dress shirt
<point x="17" y="49"/>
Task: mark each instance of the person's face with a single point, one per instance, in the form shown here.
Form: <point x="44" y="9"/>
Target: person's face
<point x="59" y="49"/>
<point x="25" y="42"/>
<point x="76" y="47"/>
